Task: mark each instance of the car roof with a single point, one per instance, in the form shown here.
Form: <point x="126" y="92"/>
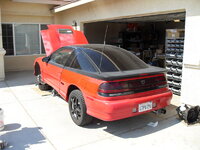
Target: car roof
<point x="120" y="58"/>
<point x="100" y="47"/>
<point x="122" y="73"/>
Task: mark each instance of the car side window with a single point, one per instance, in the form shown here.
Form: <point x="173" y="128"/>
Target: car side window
<point x="81" y="62"/>
<point x="61" y="56"/>
<point x="70" y="59"/>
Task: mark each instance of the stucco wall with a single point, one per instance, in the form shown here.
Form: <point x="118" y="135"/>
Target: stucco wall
<point x="191" y="70"/>
<point x="15" y="12"/>
<point x="100" y="10"/>
<point x="112" y="9"/>
<point x="19" y="63"/>
<point x="25" y="12"/>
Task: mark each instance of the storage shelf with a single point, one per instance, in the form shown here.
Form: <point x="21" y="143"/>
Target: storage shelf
<point x="174" y="58"/>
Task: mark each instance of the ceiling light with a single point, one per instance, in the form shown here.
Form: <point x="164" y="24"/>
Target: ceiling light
<point x="176" y="20"/>
<point x="71" y="5"/>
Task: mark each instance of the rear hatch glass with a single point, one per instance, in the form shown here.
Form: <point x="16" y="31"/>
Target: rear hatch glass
<point x="112" y="58"/>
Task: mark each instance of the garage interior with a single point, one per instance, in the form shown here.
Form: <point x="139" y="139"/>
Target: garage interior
<point x="158" y="40"/>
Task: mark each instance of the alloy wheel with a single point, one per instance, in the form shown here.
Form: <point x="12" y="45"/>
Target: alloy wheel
<point x="75" y="108"/>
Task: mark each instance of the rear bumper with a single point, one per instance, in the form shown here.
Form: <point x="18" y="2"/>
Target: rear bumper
<point x="119" y="109"/>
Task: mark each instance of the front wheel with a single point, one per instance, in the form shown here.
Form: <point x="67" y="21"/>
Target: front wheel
<point x="77" y="108"/>
<point x="42" y="86"/>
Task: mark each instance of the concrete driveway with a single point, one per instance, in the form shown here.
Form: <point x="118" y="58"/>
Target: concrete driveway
<point x="37" y="121"/>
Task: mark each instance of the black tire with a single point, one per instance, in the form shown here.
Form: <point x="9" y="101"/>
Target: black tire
<point x="77" y="108"/>
<point x="42" y="86"/>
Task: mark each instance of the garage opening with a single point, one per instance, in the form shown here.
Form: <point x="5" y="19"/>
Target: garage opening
<point x="158" y="40"/>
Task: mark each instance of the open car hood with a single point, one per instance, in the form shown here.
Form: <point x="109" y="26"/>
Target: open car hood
<point x="57" y="36"/>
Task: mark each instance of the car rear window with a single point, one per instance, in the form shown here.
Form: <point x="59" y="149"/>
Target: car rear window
<point x="114" y="58"/>
<point x="65" y="31"/>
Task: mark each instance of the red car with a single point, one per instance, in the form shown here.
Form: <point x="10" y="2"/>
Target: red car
<point x="102" y="81"/>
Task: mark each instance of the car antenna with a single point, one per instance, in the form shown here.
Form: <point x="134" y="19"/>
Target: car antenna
<point x="104" y="42"/>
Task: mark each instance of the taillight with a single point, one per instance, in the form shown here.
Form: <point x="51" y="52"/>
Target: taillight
<point x="110" y="89"/>
<point x="114" y="89"/>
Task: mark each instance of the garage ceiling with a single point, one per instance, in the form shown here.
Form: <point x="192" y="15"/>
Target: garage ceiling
<point x="153" y="18"/>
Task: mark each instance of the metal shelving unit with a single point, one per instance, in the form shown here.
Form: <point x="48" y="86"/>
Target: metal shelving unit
<point x="174" y="58"/>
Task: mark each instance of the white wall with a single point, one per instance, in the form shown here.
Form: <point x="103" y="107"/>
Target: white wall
<point x="191" y="70"/>
<point x="113" y="9"/>
<point x="2" y="53"/>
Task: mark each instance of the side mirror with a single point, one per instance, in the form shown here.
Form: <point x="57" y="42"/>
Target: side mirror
<point x="46" y="59"/>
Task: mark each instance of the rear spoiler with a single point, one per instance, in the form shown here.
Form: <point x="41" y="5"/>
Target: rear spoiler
<point x="110" y="76"/>
<point x="132" y="73"/>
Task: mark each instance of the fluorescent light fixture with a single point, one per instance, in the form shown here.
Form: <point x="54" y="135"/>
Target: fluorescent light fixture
<point x="71" y="5"/>
<point x="176" y="20"/>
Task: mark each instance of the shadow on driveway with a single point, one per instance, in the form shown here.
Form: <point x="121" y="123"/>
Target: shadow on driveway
<point x="137" y="126"/>
<point x="19" y="78"/>
<point x="23" y="138"/>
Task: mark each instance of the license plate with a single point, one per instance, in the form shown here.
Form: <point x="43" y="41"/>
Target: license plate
<point x="145" y="106"/>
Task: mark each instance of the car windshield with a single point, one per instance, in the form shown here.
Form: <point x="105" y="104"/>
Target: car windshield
<point x="112" y="58"/>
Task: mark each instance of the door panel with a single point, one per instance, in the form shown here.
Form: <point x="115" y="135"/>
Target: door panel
<point x="64" y="83"/>
<point x="52" y="75"/>
<point x="53" y="69"/>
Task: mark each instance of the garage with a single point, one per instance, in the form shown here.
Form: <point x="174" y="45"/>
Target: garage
<point x="158" y="40"/>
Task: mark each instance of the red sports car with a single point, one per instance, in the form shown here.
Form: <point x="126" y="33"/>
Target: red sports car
<point x="102" y="81"/>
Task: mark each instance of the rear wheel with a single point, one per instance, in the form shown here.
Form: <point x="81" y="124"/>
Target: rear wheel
<point x="42" y="86"/>
<point x="77" y="108"/>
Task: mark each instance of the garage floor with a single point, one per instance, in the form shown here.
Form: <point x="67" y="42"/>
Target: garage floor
<point x="35" y="120"/>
